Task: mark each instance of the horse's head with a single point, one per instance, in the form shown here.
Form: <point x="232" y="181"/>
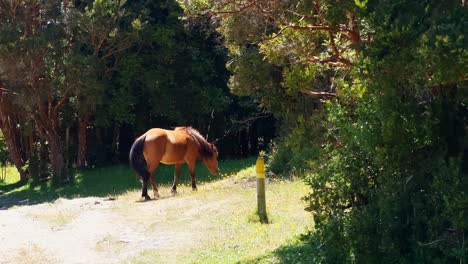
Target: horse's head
<point x="211" y="162"/>
<point x="208" y="152"/>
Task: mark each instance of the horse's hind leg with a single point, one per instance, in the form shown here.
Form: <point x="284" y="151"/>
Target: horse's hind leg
<point x="144" y="189"/>
<point x="152" y="168"/>
<point x="153" y="184"/>
<point x="176" y="178"/>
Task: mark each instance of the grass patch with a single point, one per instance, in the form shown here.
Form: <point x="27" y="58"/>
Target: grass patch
<point x="247" y="237"/>
<point x="12" y="176"/>
<point x="103" y="182"/>
<point x="297" y="250"/>
<point x="152" y="256"/>
<point x="110" y="245"/>
<point x="56" y="218"/>
<point x="30" y="254"/>
<point x="223" y="218"/>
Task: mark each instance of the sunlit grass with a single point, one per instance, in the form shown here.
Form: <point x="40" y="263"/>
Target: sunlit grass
<point x="12" y="176"/>
<point x="106" y="181"/>
<point x="247" y="237"/>
<point x="226" y="221"/>
<point x="246" y="173"/>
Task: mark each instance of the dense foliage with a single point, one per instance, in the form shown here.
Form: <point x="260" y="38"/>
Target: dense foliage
<point x="395" y="187"/>
<point x="80" y="80"/>
<point x="384" y="145"/>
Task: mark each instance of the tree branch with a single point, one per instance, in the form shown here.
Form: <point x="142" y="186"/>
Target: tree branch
<point x="338" y="62"/>
<point x="312" y="27"/>
<point x="60" y="103"/>
<point x="241" y="9"/>
<point x="318" y="94"/>
<point x="430" y="243"/>
<point x="309" y="27"/>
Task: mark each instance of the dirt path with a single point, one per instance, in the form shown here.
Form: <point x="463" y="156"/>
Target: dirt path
<point x="98" y="230"/>
<point x="72" y="231"/>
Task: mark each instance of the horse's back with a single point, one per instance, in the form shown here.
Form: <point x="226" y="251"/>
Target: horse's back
<point x="155" y="133"/>
<point x="166" y="146"/>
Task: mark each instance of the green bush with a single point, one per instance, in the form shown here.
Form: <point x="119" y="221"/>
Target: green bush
<point x="278" y="159"/>
<point x="298" y="150"/>
<point x="393" y="187"/>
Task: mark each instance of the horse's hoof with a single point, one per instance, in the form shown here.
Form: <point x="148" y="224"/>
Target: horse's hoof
<point x="174" y="192"/>
<point x="147" y="198"/>
<point x="194" y="189"/>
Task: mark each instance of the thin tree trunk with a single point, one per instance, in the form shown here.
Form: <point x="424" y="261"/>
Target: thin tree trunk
<point x="115" y="143"/>
<point x="14" y="148"/>
<point x="83" y="124"/>
<point x="67" y="146"/>
<point x="8" y="124"/>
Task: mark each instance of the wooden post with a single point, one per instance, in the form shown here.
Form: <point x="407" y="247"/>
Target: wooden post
<point x="261" y="203"/>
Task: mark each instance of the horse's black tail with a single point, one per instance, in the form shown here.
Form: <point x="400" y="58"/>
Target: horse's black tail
<point x="137" y="160"/>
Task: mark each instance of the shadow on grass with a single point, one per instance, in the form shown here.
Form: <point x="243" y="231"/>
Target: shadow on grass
<point x="304" y="250"/>
<point x="107" y="181"/>
<point x="9" y="187"/>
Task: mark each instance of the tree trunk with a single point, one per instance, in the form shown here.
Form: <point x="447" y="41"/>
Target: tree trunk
<point x="115" y="143"/>
<point x="8" y="125"/>
<point x="83" y="124"/>
<point x="67" y="146"/>
<point x="56" y="156"/>
<point x="47" y="126"/>
<point x="14" y="149"/>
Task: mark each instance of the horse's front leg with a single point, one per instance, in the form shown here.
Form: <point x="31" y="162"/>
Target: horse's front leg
<point x="176" y="178"/>
<point x="192" y="176"/>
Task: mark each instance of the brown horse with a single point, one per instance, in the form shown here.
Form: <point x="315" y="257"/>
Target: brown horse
<point x="178" y="146"/>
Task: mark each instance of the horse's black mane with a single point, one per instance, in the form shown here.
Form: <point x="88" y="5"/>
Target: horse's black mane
<point x="206" y="149"/>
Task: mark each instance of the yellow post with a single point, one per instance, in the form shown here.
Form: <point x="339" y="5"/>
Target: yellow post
<point x="261" y="203"/>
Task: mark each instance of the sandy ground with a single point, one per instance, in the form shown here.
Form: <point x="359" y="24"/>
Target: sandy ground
<point x="73" y="231"/>
<point x="100" y="230"/>
<point x="95" y="230"/>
